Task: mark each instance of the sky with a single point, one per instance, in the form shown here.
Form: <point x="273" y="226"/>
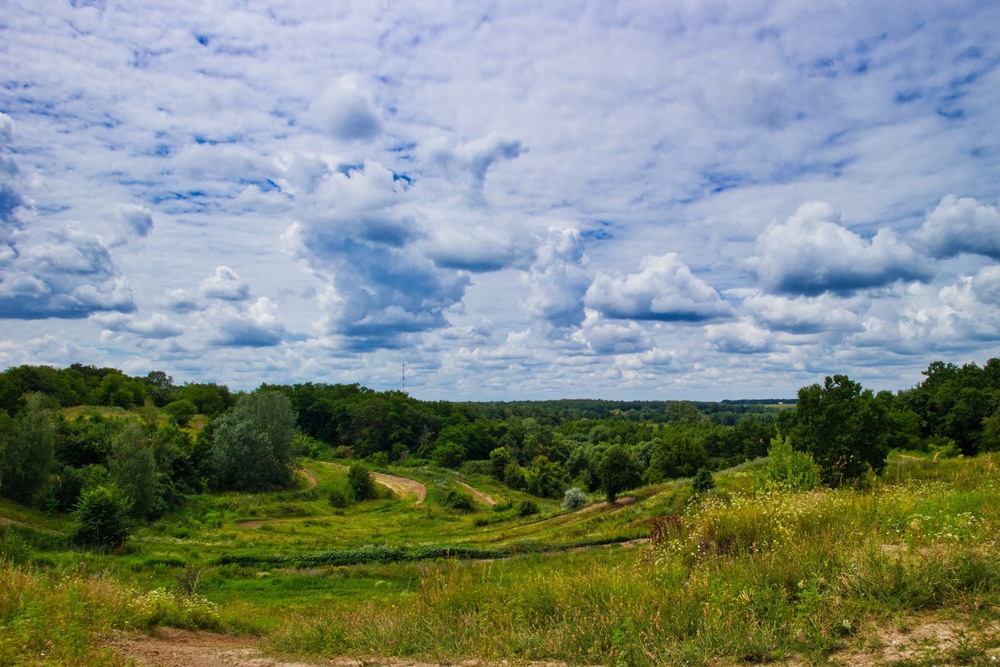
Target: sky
<point x="663" y="200"/>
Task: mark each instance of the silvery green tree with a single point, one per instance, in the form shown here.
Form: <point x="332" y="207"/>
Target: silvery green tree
<point x="252" y="443"/>
<point x="27" y="450"/>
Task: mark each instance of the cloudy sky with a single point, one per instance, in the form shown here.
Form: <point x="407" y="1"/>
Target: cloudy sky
<point x="671" y="199"/>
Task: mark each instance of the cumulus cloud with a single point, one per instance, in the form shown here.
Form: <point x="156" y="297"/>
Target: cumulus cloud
<point x="345" y="111"/>
<point x="255" y="326"/>
<point x="355" y="232"/>
<point x="813" y="253"/>
<point x="961" y="225"/>
<point x="804" y="315"/>
<point x="741" y="337"/>
<point x="556" y="282"/>
<point x="158" y="326"/>
<point x="225" y="284"/>
<point x="70" y="275"/>
<point x="611" y="337"/>
<point x="664" y="290"/>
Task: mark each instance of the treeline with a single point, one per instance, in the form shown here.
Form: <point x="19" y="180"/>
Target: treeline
<point x="168" y="441"/>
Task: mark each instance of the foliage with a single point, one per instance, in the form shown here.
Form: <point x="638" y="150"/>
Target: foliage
<point x="843" y="427"/>
<point x="361" y="482"/>
<point x="703" y="481"/>
<point x="132" y="468"/>
<point x="103" y="518"/>
<point x="27" y="450"/>
<point x="617" y="471"/>
<point x="574" y="499"/>
<point x="546" y="478"/>
<point x="526" y="508"/>
<point x="252" y="442"/>
<point x="678" y="453"/>
<point x="789" y="469"/>
<point x="181" y="410"/>
<point x="457" y="500"/>
<point x="448" y="454"/>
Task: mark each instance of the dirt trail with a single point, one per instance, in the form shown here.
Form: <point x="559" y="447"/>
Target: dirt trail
<point x="310" y="478"/>
<point x="183" y="648"/>
<point x="479" y="495"/>
<point x="402" y="485"/>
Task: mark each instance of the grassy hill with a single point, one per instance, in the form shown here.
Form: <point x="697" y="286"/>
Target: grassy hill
<point x="744" y="575"/>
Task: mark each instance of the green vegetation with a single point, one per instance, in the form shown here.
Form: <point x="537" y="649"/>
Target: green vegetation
<point x="250" y="521"/>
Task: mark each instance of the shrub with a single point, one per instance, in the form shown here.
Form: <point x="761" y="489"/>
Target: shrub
<point x="181" y="410"/>
<point x="788" y="468"/>
<point x="361" y="482"/>
<point x="13" y="548"/>
<point x="703" y="481"/>
<point x="338" y="497"/>
<point x="574" y="499"/>
<point x="527" y="508"/>
<point x="102" y="518"/>
<point x="458" y="501"/>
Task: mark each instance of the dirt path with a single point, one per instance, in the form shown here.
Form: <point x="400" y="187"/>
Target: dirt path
<point x="479" y="495"/>
<point x="183" y="648"/>
<point x="402" y="486"/>
<point x="310" y="478"/>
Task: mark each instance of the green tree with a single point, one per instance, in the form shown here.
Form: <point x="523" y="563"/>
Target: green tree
<point x="360" y="480"/>
<point x="703" y="481"/>
<point x="678" y="452"/>
<point x="546" y="478"/>
<point x="27" y="450"/>
<point x="181" y="410"/>
<point x="132" y="468"/>
<point x="843" y="426"/>
<point x="500" y="458"/>
<point x="252" y="443"/>
<point x="102" y="518"/>
<point x="448" y="454"/>
<point x="618" y="470"/>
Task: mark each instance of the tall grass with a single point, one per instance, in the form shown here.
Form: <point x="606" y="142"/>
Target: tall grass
<point x="745" y="576"/>
<point x="49" y="618"/>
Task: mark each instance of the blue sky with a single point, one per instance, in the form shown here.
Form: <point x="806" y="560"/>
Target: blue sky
<point x="696" y="199"/>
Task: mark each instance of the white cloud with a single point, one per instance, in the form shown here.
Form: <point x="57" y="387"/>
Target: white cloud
<point x="664" y="289"/>
<point x="225" y="284"/>
<point x="345" y="111"/>
<point x="961" y="225"/>
<point x="812" y="253"/>
<point x="556" y="280"/>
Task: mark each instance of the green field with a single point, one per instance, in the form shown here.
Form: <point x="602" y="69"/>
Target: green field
<point x="746" y="576"/>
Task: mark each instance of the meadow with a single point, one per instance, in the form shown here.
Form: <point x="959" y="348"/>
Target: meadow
<point x="747" y="574"/>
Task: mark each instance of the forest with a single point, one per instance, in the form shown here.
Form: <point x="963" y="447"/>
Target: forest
<point x="154" y="443"/>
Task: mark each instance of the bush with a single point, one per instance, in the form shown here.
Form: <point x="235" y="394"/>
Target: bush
<point x="527" y="508"/>
<point x="788" y="468"/>
<point x="361" y="482"/>
<point x="338" y="497"/>
<point x="182" y="411"/>
<point x="458" y="501"/>
<point x="574" y="499"/>
<point x="703" y="481"/>
<point x="102" y="518"/>
<point x="13" y="548"/>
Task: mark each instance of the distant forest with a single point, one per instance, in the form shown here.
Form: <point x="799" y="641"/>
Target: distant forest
<point x="64" y="431"/>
